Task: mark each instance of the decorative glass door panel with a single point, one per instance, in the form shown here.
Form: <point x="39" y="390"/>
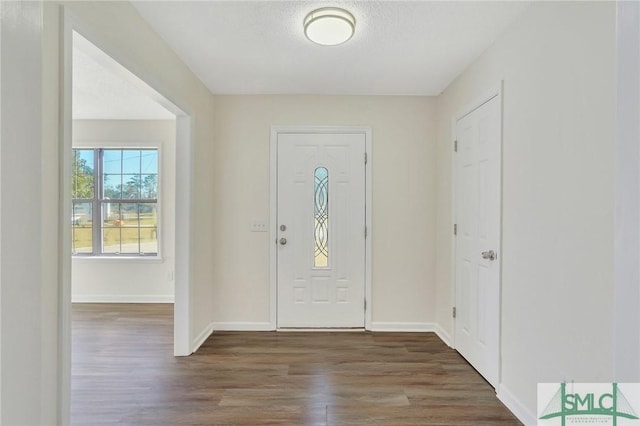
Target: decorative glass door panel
<point x="321" y="218"/>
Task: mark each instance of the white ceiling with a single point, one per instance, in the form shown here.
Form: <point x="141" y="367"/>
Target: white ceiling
<point x="258" y="47"/>
<point x="399" y="47"/>
<point x="104" y="89"/>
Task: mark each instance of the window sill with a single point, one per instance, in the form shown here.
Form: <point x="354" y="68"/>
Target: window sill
<point x="116" y="259"/>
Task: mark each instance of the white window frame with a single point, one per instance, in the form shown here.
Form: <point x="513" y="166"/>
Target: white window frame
<point x="159" y="209"/>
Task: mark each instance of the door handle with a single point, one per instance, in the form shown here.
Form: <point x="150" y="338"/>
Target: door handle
<point x="283" y="241"/>
<point x="489" y="255"/>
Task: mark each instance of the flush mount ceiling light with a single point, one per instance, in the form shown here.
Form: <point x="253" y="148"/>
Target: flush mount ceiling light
<point x="329" y="26"/>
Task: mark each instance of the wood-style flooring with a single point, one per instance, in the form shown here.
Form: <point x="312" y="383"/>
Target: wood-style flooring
<point x="124" y="373"/>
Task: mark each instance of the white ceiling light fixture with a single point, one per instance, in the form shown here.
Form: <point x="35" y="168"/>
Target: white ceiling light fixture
<point x="329" y="26"/>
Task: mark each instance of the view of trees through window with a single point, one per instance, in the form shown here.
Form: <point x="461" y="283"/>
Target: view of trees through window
<point x="115" y="201"/>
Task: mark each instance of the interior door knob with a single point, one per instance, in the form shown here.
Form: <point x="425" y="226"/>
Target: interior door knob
<point x="283" y="241"/>
<point x="490" y="255"/>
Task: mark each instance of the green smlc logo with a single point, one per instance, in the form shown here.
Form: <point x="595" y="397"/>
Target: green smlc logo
<point x="613" y="405"/>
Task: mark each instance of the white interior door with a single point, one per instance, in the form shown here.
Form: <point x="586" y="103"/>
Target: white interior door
<point x="321" y="230"/>
<point x="477" y="258"/>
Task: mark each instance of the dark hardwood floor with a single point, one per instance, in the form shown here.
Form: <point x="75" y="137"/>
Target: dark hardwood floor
<point x="124" y="373"/>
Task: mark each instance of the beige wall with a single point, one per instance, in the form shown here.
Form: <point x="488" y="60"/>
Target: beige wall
<point x="102" y="279"/>
<point x="558" y="67"/>
<point x="403" y="200"/>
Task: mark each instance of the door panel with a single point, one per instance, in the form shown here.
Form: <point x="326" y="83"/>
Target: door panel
<point x="478" y="218"/>
<point x="321" y="215"/>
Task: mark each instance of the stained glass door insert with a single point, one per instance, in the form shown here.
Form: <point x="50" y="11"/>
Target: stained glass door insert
<point x="321" y="218"/>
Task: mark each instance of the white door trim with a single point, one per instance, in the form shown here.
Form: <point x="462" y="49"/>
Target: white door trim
<point x="273" y="209"/>
<point x="495" y="91"/>
<point x="626" y="325"/>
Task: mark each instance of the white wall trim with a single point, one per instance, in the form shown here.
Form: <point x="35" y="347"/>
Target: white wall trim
<point x="626" y="319"/>
<point x="183" y="274"/>
<point x="452" y="270"/>
<point x="122" y="298"/>
<point x="273" y="226"/>
<point x="201" y="338"/>
<point x="368" y="272"/>
<point x="119" y="143"/>
<point x="476" y="103"/>
<point x="122" y="260"/>
<point x="273" y="210"/>
<point x="515" y="406"/>
<point x="443" y="335"/>
<point x="404" y="327"/>
<point x="66" y="120"/>
<point x="242" y="326"/>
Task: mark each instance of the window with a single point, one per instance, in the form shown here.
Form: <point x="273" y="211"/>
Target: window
<point x="321" y="217"/>
<point x="115" y="201"/>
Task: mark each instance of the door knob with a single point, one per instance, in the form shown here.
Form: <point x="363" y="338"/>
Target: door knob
<point x="283" y="241"/>
<point x="490" y="255"/>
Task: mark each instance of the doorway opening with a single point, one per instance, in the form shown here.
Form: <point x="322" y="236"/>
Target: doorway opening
<point x="122" y="185"/>
<point x="131" y="149"/>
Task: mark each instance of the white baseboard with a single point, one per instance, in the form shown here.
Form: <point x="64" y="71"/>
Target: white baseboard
<point x="515" y="406"/>
<point x="243" y="326"/>
<point x="321" y="330"/>
<point x="443" y="335"/>
<point x="420" y="327"/>
<point x="122" y="298"/>
<point x="200" y="339"/>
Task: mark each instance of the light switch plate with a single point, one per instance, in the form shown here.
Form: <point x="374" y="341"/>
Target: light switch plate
<point x="258" y="226"/>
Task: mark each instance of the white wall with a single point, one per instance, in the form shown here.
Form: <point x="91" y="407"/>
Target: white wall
<point x="403" y="210"/>
<point x="28" y="383"/>
<point x="558" y="67"/>
<point x="96" y="279"/>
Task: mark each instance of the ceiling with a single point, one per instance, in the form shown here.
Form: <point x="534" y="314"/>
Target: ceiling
<point x="103" y="89"/>
<point x="258" y="47"/>
<point x="399" y="47"/>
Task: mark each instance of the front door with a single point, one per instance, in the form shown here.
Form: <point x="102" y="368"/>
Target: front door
<point x="321" y="230"/>
<point x="477" y="259"/>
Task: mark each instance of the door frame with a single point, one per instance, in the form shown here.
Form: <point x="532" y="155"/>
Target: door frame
<point x="273" y="210"/>
<point x="626" y="325"/>
<point x="493" y="92"/>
